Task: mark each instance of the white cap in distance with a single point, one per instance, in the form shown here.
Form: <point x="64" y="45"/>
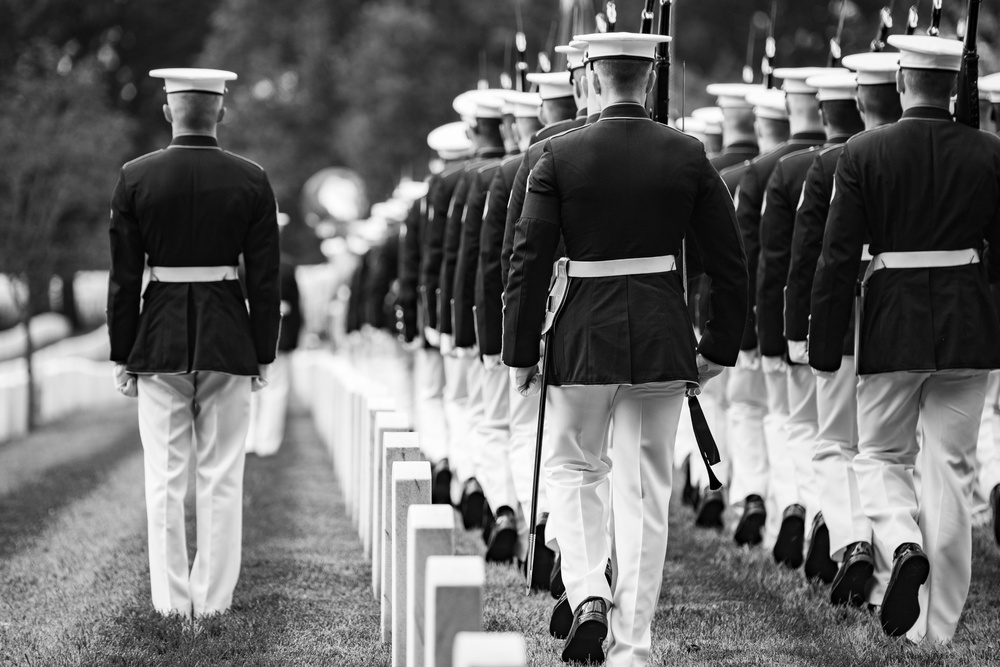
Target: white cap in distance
<point x="193" y="79"/>
<point x="926" y="52"/>
<point x="479" y="103"/>
<point x="874" y="69"/>
<point x="552" y="85"/>
<point x="768" y="103"/>
<point x="832" y="87"/>
<point x="732" y="95"/>
<point x="451" y="141"/>
<point x="794" y="78"/>
<point x="990" y="84"/>
<point x="522" y="105"/>
<point x="574" y="54"/>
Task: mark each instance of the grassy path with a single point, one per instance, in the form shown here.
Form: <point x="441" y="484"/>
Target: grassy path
<point x="74" y="584"/>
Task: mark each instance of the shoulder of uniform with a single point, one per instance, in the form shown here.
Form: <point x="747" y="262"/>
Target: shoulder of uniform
<point x="132" y="163"/>
<point x="807" y="153"/>
<point x="868" y="135"/>
<point x="735" y="167"/>
<point x="244" y="159"/>
<point x="565" y="133"/>
<point x="512" y="159"/>
<point x="825" y="152"/>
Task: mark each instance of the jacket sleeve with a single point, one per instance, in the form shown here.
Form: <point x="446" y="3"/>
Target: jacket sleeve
<point x="449" y="258"/>
<point x="464" y="287"/>
<point x="536" y="236"/>
<point x="125" y="280"/>
<point x="717" y="237"/>
<point x="489" y="281"/>
<point x="262" y="257"/>
<point x="433" y="251"/>
<point x="514" y="205"/>
<point x="807" y="243"/>
<point x="749" y="198"/>
<point x="837" y="269"/>
<point x="409" y="272"/>
<point x="777" y="220"/>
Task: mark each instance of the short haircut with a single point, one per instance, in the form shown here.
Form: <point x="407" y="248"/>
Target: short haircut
<point x="880" y="101"/>
<point x="195" y="111"/>
<point x="559" y="108"/>
<point x="626" y="76"/>
<point x="739" y="120"/>
<point x="842" y="116"/>
<point x="933" y="83"/>
<point x="488" y="129"/>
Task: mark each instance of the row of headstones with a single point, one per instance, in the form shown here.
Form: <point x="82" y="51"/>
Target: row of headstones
<point x="431" y="600"/>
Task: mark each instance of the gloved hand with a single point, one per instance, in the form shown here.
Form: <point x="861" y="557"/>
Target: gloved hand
<point x="447" y="344"/>
<point x="774" y="364"/>
<point x="526" y="380"/>
<point x="798" y="351"/>
<point x="432" y="337"/>
<point x="707" y="369"/>
<point x="491" y="362"/>
<point x="825" y="375"/>
<point x="126" y="383"/>
<point x="259" y="381"/>
<point x="413" y="345"/>
<point x="749" y="360"/>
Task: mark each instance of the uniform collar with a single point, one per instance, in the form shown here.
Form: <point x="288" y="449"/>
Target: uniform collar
<point x="838" y="139"/>
<point x="740" y="146"/>
<point x="624" y="110"/>
<point x="808" y="136"/>
<point x="581" y="113"/>
<point x="490" y="151"/>
<point x="593" y="118"/>
<point x="927" y="113"/>
<point x="194" y="141"/>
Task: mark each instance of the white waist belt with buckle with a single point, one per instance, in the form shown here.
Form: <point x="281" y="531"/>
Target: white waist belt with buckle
<point x="929" y="259"/>
<point x="192" y="274"/>
<point x="622" y="267"/>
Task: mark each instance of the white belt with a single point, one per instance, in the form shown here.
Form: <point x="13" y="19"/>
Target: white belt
<point x="866" y="255"/>
<point x="192" y="274"/>
<point x="929" y="259"/>
<point x="622" y="267"/>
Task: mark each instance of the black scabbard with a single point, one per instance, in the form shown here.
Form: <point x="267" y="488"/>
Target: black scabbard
<point x="706" y="443"/>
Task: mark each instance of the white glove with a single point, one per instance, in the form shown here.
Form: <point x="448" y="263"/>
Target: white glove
<point x="824" y="375"/>
<point x="798" y="351"/>
<point x="259" y="381"/>
<point x="707" y="370"/>
<point x="432" y="337"/>
<point x="491" y="362"/>
<point x="447" y="344"/>
<point x="749" y="360"/>
<point x="774" y="364"/>
<point x="526" y="380"/>
<point x="414" y="344"/>
<point x="125" y="383"/>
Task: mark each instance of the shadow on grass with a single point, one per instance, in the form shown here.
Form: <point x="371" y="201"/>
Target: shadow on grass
<point x="28" y="510"/>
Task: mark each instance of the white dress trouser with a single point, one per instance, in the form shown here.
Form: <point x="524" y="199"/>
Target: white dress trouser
<point x="988" y="447"/>
<point x="946" y="407"/>
<point x="643" y="421"/>
<point x="456" y="399"/>
<point x="833" y="462"/>
<point x="801" y="430"/>
<point x="204" y="415"/>
<point x="493" y="431"/>
<point x="268" y="409"/>
<point x="430" y="418"/>
<point x="523" y="430"/>
<point x="747" y="394"/>
<point x="782" y="488"/>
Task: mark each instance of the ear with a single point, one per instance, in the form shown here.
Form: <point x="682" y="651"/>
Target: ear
<point x="822" y="115"/>
<point x="650" y="81"/>
<point x="900" y="82"/>
<point x="860" y="105"/>
<point x="222" y="114"/>
<point x="166" y="114"/>
<point x="597" y="82"/>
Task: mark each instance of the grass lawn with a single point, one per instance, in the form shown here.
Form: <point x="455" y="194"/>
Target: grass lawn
<point x="74" y="586"/>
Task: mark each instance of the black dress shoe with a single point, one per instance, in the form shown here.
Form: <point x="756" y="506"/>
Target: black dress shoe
<point x="471" y="505"/>
<point x="900" y="606"/>
<point x="791" y="536"/>
<point x="689" y="494"/>
<point x="710" y="509"/>
<point x="585" y="642"/>
<point x="562" y="613"/>
<point x="541" y="575"/>
<point x="995" y="504"/>
<point x="441" y="483"/>
<point x="556" y="587"/>
<point x="748" y="530"/>
<point x="819" y="565"/>
<point x="851" y="582"/>
<point x="503" y="537"/>
<point x="489" y="520"/>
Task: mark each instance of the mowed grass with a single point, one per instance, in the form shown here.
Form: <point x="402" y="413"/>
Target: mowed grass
<point x="74" y="586"/>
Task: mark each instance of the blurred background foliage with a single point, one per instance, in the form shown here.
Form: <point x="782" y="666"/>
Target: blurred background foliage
<point x="355" y="83"/>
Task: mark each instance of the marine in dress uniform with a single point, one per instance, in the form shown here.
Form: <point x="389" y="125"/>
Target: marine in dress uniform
<point x="463" y="379"/>
<point x="928" y="330"/>
<point x="765" y="466"/>
<point x="188" y="345"/>
<point x="622" y="351"/>
<point x="848" y="530"/>
<point x="840" y="120"/>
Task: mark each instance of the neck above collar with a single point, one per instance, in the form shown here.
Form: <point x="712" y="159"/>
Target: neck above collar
<point x="927" y="113"/>
<point x="625" y="110"/>
<point x="201" y="140"/>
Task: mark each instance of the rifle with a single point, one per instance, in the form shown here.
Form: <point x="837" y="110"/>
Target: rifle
<point x="967" y="105"/>
<point x="661" y="99"/>
<point x="884" y="27"/>
<point x="770" y="48"/>
<point x="748" y="66"/>
<point x="521" y="43"/>
<point x="911" y="20"/>
<point x="935" y="28"/>
<point x="611" y="11"/>
<point x="835" y="51"/>
<point x="646" y="18"/>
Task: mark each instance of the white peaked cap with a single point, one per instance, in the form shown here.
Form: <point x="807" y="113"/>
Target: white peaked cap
<point x="602" y="45"/>
<point x="691" y="125"/>
<point x="926" y="52"/>
<point x="193" y="79"/>
<point x="732" y="95"/>
<point x="873" y="69"/>
<point x="410" y="190"/>
<point x="711" y="117"/>
<point x="451" y="141"/>
<point x="831" y="87"/>
<point x="552" y="85"/>
<point x="990" y="84"/>
<point x="479" y="103"/>
<point x="574" y="54"/>
<point x="794" y="78"/>
<point x="768" y="103"/>
<point x="522" y="105"/>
